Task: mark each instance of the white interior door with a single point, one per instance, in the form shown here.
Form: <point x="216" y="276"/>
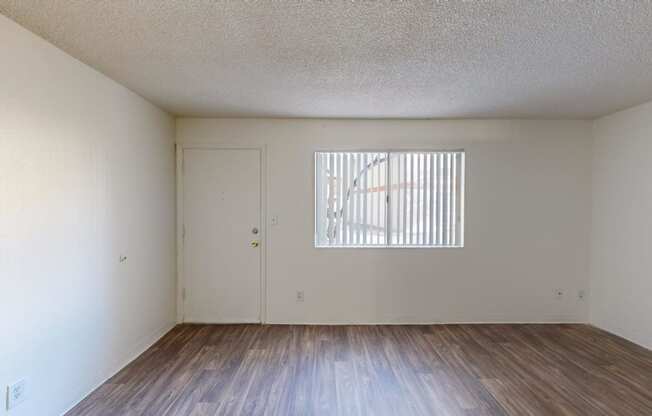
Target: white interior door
<point x="222" y="221"/>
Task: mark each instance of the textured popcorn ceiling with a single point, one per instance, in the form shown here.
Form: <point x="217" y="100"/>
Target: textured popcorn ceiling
<point x="364" y="58"/>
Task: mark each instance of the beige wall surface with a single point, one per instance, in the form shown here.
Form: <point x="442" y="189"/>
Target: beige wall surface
<point x="527" y="223"/>
<point x="86" y="176"/>
<point x="621" y="264"/>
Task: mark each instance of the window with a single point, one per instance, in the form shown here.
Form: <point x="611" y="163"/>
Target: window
<point x="389" y="199"/>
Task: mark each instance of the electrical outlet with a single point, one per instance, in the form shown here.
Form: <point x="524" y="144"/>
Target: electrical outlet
<point x="300" y="296"/>
<point x="559" y="294"/>
<point x="16" y="394"/>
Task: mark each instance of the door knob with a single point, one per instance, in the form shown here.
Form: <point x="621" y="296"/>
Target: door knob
<point x="254" y="243"/>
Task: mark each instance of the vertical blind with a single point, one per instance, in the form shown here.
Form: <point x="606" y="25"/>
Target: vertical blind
<point x="394" y="199"/>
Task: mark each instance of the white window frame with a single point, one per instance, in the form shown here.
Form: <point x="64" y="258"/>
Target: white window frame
<point x="388" y="244"/>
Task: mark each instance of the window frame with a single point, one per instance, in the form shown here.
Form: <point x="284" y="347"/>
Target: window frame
<point x="389" y="151"/>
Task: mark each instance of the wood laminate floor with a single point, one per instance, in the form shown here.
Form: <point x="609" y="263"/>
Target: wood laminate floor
<point x="202" y="370"/>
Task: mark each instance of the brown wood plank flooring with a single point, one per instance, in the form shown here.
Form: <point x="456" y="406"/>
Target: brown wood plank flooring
<point x="206" y="370"/>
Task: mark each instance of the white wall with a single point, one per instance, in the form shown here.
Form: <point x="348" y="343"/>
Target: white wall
<point x="527" y="223"/>
<point x="621" y="260"/>
<point x="86" y="174"/>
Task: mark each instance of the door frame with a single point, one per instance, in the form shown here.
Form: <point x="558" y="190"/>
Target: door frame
<point x="262" y="149"/>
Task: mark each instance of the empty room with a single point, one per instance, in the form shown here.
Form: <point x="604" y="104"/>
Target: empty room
<point x="326" y="207"/>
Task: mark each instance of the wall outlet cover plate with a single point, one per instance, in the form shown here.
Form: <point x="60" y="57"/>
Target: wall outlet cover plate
<point x="16" y="393"/>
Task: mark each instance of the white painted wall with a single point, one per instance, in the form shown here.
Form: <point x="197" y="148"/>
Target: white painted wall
<point x="86" y="174"/>
<point x="621" y="263"/>
<point x="527" y="223"/>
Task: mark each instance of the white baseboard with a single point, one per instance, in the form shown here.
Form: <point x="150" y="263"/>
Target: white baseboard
<point x="140" y="347"/>
<point x="222" y="322"/>
<point x="354" y="323"/>
<point x="371" y="323"/>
